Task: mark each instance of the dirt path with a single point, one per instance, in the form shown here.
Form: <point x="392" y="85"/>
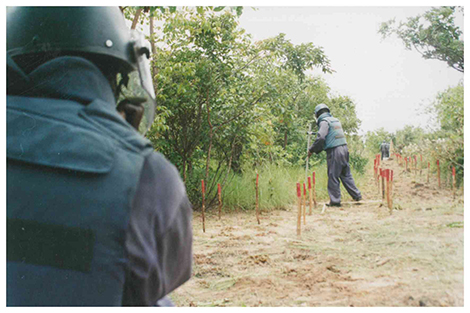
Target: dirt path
<point x="357" y="255"/>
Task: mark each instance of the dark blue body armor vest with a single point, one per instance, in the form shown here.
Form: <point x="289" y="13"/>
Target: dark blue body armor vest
<point x="72" y="172"/>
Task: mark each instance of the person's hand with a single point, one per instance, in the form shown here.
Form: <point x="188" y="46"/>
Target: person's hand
<point x="132" y="112"/>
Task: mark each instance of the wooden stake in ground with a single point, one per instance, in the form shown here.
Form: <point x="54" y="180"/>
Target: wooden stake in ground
<point x="257" y="199"/>
<point x="310" y="201"/>
<point x="379" y="172"/>
<point x="416" y="165"/>
<point x="314" y="191"/>
<point x="203" y="206"/>
<point x="429" y="170"/>
<point x="391" y="185"/>
<point x="375" y="168"/>
<point x="438" y="174"/>
<point x="305" y="204"/>
<point x="219" y="193"/>
<point x="382" y="173"/>
<point x="299" y="211"/>
<point x="453" y="181"/>
<point x="421" y="167"/>
<point x="406" y="164"/>
<point x="387" y="177"/>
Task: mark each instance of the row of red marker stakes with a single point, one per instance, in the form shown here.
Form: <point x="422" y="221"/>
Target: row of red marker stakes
<point x="302" y="201"/>
<point x="409" y="160"/>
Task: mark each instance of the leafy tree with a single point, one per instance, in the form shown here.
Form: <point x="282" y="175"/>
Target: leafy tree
<point x="448" y="108"/>
<point x="373" y="139"/>
<point x="407" y="136"/>
<point x="433" y="34"/>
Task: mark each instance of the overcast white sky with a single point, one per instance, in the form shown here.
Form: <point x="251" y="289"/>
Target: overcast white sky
<point x="388" y="83"/>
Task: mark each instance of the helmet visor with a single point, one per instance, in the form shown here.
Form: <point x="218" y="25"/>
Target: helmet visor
<point x="135" y="94"/>
<point x="139" y="90"/>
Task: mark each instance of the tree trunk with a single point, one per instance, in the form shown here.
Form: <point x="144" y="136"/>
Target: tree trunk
<point x="184" y="171"/>
<point x="209" y="153"/>
<point x="152" y="31"/>
<point x="136" y="18"/>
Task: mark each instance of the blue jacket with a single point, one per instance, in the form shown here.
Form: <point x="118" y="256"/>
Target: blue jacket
<point x="94" y="216"/>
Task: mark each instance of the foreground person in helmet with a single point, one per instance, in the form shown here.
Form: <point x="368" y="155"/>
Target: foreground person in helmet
<point x="94" y="216"/>
<point x="331" y="138"/>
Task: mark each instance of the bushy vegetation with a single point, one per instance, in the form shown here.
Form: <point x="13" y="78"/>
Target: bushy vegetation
<point x="229" y="106"/>
<point x="444" y="141"/>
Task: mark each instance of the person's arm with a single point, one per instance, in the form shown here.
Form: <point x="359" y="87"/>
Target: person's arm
<point x="317" y="145"/>
<point x="159" y="238"/>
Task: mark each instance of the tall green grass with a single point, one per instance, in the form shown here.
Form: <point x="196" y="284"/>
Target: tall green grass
<point x="277" y="187"/>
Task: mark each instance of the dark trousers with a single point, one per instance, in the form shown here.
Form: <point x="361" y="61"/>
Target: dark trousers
<point x="338" y="169"/>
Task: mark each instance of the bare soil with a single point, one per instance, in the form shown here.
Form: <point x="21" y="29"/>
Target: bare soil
<point x="356" y="255"/>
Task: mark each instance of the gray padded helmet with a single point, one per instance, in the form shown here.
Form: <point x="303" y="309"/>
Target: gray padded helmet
<point x="320" y="107"/>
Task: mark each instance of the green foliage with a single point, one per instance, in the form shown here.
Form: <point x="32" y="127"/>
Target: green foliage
<point x="409" y="135"/>
<point x="374" y="139"/>
<point x="446" y="142"/>
<point x="229" y="106"/>
<point x="433" y="34"/>
<point x="277" y="187"/>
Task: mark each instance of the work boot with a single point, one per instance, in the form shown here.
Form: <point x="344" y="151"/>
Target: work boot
<point x="358" y="199"/>
<point x="332" y="204"/>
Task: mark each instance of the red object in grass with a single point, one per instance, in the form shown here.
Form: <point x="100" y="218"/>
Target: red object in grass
<point x="305" y="190"/>
<point x="313" y="179"/>
<point x="202" y="185"/>
<point x="453" y="171"/>
<point x="309" y="182"/>
<point x="218" y="189"/>
<point x="298" y="190"/>
<point x="257" y="175"/>
<point x="437" y="162"/>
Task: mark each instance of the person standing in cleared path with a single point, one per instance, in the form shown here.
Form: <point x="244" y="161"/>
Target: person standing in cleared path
<point x="385" y="150"/>
<point x="331" y="138"/>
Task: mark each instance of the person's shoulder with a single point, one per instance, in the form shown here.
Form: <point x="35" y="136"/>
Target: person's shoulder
<point x="159" y="164"/>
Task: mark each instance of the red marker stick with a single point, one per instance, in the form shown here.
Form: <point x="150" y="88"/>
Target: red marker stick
<point x="310" y="201"/>
<point x="382" y="173"/>
<point x="299" y="211"/>
<point x="389" y="199"/>
<point x="203" y="206"/>
<point x="305" y="204"/>
<point x="379" y="172"/>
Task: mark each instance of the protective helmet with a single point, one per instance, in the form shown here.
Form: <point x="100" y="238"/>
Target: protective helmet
<point x="320" y="107"/>
<point x="97" y="33"/>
